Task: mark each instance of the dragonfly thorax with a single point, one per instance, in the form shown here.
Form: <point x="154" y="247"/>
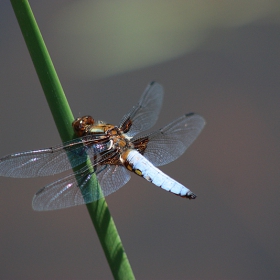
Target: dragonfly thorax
<point x="104" y="132"/>
<point x="86" y="125"/>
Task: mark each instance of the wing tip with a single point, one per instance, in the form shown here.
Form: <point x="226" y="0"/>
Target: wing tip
<point x="155" y="83"/>
<point x="199" y="117"/>
<point x="189" y="114"/>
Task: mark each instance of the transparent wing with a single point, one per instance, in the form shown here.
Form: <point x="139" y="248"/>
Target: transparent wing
<point x="112" y="178"/>
<point x="45" y="162"/>
<point x="171" y="141"/>
<point x="145" y="114"/>
<point x="75" y="189"/>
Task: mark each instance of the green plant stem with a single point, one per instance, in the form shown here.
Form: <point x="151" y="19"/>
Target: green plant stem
<point x="63" y="117"/>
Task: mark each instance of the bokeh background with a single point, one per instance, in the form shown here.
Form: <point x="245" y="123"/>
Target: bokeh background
<point x="220" y="59"/>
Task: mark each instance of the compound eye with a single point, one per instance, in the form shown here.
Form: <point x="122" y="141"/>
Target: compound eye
<point x="88" y="120"/>
<point x="76" y="121"/>
<point x="81" y="124"/>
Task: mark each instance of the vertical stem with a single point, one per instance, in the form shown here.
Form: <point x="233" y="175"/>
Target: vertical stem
<point x="63" y="117"/>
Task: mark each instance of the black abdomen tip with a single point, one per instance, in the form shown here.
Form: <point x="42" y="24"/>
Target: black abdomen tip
<point x="190" y="195"/>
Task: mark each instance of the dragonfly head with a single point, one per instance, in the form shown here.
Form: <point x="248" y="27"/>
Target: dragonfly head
<point x="81" y="125"/>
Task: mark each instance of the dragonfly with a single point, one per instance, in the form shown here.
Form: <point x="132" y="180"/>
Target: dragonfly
<point x="109" y="152"/>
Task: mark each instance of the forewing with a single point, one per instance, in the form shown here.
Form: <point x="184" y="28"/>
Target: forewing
<point x="45" y="162"/>
<point x="171" y="141"/>
<point x="76" y="189"/>
<point x="145" y="114"/>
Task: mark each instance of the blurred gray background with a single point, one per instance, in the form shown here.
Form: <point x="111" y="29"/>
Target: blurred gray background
<point x="219" y="59"/>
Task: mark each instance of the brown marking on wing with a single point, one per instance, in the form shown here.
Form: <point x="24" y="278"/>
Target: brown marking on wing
<point x="126" y="125"/>
<point x="89" y="141"/>
<point x="141" y="144"/>
<point x="115" y="160"/>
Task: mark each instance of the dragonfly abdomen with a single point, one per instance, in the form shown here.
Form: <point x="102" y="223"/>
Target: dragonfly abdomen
<point x="138" y="164"/>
